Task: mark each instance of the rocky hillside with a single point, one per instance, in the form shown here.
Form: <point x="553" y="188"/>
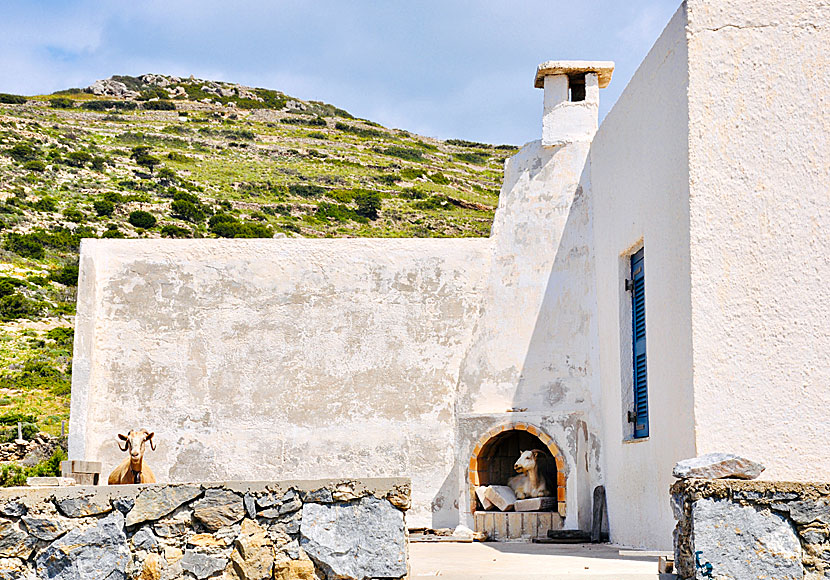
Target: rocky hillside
<point x="162" y="156"/>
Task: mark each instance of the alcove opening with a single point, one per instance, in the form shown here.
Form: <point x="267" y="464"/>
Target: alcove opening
<point x="576" y="86"/>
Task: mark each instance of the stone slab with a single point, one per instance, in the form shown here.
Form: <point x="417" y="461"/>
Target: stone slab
<point x="501" y="496"/>
<point x="536" y="504"/>
<point x="717" y="466"/>
<point x="481" y="494"/>
<point x="50" y="481"/>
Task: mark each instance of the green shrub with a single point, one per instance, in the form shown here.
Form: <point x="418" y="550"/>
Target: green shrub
<point x="227" y="226"/>
<point x="359" y="131"/>
<point x="463" y="143"/>
<point x="317" y="135"/>
<point x="142" y="219"/>
<point x="439" y="178"/>
<point x="62" y="335"/>
<point x="368" y="204"/>
<point x="306" y="121"/>
<point x="506" y="147"/>
<point x="187" y="211"/>
<point x="431" y="202"/>
<point x="410" y="173"/>
<point x="174" y="231"/>
<point x="28" y="431"/>
<point x="45" y="204"/>
<point x="22" y="152"/>
<point x="337" y="212"/>
<point x="25" y="245"/>
<point x="306" y="190"/>
<point x="13" y="475"/>
<point x="7" y="99"/>
<point x="73" y="215"/>
<point x="112" y="231"/>
<point x="158" y="106"/>
<point x="15" y="417"/>
<point x="35" y="165"/>
<point x="62" y="103"/>
<point x="474" y="158"/>
<point x="18" y="306"/>
<point x="103" y="207"/>
<point x="77" y="158"/>
<point x="99" y="163"/>
<point x="113" y="196"/>
<point x="108" y="105"/>
<point x="178" y="157"/>
<point x="152" y="93"/>
<point x="66" y="275"/>
<point x="401" y="152"/>
<point x="6" y="288"/>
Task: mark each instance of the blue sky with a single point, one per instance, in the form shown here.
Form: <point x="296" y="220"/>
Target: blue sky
<point x="451" y="68"/>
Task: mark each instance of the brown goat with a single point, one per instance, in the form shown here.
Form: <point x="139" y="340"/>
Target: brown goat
<point x="132" y="469"/>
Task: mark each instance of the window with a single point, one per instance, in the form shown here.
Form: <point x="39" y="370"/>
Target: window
<point x="638" y="343"/>
<point x="576" y="85"/>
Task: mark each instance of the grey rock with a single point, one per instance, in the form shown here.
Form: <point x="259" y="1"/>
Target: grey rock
<point x="145" y="539"/>
<point x="356" y="540"/>
<point x="171" y="528"/>
<point x="98" y="553"/>
<point x="723" y="530"/>
<point x="814" y="536"/>
<point x="270" y="513"/>
<point x="123" y="504"/>
<point x="806" y="512"/>
<point x="250" y="505"/>
<point x="717" y="466"/>
<point x="45" y="529"/>
<point x="201" y="565"/>
<point x="267" y="500"/>
<point x="14" y="542"/>
<point x="13" y="509"/>
<point x="153" y="503"/>
<point x="290" y="505"/>
<point x="784" y="496"/>
<point x="219" y="508"/>
<point x="318" y="495"/>
<point x="79" y="507"/>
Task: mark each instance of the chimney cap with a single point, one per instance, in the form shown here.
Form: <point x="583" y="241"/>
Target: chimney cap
<point x="603" y="68"/>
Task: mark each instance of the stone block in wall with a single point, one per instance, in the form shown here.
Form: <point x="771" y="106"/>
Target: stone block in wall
<point x="738" y="530"/>
<point x="219" y="508"/>
<point x="355" y="540"/>
<point x="154" y="502"/>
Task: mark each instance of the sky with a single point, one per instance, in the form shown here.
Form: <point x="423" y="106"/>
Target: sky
<point x="447" y="69"/>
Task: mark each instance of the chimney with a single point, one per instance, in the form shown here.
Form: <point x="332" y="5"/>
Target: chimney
<point x="571" y="98"/>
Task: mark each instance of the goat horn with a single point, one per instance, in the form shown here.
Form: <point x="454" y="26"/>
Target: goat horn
<point x="150" y="439"/>
<point x="127" y="444"/>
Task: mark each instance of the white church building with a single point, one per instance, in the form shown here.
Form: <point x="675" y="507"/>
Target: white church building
<point x="654" y="288"/>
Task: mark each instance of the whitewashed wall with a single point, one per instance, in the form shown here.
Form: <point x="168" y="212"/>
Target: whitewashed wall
<point x="257" y="359"/>
<point x="759" y="163"/>
<point x="640" y="188"/>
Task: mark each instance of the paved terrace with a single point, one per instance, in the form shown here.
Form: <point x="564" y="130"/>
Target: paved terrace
<point x="520" y="561"/>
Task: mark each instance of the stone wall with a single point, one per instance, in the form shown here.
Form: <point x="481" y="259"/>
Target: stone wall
<point x="743" y="530"/>
<point x="298" y="530"/>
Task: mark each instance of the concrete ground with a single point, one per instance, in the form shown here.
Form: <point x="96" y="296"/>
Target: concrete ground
<point x="515" y="561"/>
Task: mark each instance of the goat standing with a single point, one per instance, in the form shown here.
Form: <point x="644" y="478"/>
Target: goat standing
<point x="133" y="469"/>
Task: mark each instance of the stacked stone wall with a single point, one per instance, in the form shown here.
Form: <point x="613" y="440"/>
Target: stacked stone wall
<point x="743" y="530"/>
<point x="297" y="530"/>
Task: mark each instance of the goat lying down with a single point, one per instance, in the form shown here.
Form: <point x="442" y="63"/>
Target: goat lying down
<point x="534" y="469"/>
<point x="133" y="469"/>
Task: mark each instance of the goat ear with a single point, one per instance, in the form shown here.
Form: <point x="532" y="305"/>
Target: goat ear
<point x="122" y="437"/>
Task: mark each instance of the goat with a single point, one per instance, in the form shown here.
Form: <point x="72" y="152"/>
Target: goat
<point x="534" y="469"/>
<point x="132" y="469"/>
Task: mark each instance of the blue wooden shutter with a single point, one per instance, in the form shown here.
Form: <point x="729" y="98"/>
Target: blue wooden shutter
<point x="638" y="332"/>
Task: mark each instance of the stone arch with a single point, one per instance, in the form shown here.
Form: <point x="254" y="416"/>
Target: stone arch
<point x="478" y="467"/>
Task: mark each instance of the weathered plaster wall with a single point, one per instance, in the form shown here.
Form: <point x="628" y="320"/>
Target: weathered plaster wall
<point x="255" y="359"/>
<point x="759" y="164"/>
<point x="639" y="194"/>
<point x="533" y="347"/>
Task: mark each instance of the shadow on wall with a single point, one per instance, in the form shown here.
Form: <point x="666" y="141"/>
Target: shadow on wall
<point x="445" y="503"/>
<point x="560" y="368"/>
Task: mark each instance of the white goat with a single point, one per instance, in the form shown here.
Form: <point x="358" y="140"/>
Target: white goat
<point x="533" y="467"/>
<point x="132" y="469"/>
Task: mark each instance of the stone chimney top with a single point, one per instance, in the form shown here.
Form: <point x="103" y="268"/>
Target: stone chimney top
<point x="571" y="110"/>
<point x="603" y="69"/>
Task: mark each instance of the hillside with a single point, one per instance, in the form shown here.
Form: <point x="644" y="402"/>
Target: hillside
<point x="160" y="156"/>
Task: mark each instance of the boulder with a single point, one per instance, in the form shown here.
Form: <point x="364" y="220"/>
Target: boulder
<point x="501" y="496"/>
<point x="717" y="466"/>
<point x="98" y="553"/>
<point x="219" y="508"/>
<point x="45" y="529"/>
<point x="361" y="539"/>
<point x="156" y="502"/>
